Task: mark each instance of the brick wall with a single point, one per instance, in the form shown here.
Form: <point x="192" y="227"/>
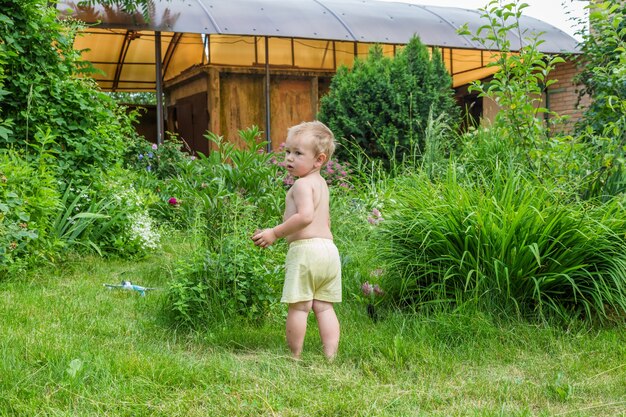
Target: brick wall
<point x="562" y="96"/>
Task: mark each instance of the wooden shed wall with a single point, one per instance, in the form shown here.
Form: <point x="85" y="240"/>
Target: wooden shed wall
<point x="236" y="100"/>
<point x="241" y="104"/>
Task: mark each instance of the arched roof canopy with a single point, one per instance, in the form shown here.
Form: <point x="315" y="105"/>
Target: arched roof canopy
<point x="312" y="34"/>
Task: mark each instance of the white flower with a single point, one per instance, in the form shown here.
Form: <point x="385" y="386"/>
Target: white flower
<point x="142" y="230"/>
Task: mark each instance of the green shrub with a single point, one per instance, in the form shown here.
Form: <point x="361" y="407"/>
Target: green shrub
<point x="602" y="72"/>
<point x="223" y="197"/>
<point x="162" y="161"/>
<point x="355" y="215"/>
<point x="603" y="126"/>
<point x="28" y="200"/>
<point x="5" y="125"/>
<point x="504" y="244"/>
<point x="381" y="105"/>
<point x="518" y="85"/>
<point x="203" y="186"/>
<point x="231" y="278"/>
<point x="45" y="89"/>
<point x="127" y="228"/>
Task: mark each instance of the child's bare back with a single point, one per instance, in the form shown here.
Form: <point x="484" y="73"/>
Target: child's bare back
<point x="309" y="194"/>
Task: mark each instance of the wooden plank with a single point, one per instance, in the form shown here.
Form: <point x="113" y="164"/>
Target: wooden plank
<point x="290" y="105"/>
<point x="213" y="102"/>
<point x="242" y="104"/>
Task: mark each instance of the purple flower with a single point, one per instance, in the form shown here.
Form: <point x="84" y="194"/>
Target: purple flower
<point x="149" y="168"/>
<point x="367" y="288"/>
<point x="155" y="146"/>
<point x="378" y="290"/>
<point x="150" y="155"/>
<point x="173" y="201"/>
<point x="140" y="156"/>
<point x="376" y="217"/>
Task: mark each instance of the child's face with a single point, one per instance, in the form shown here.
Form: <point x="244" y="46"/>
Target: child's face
<point x="300" y="156"/>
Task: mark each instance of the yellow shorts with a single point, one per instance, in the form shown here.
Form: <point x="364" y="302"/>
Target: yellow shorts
<point x="312" y="271"/>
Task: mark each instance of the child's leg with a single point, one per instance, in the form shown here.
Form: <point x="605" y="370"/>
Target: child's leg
<point x="328" y="326"/>
<point x="296" y="326"/>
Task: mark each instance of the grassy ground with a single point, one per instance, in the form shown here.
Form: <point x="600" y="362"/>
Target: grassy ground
<point x="69" y="347"/>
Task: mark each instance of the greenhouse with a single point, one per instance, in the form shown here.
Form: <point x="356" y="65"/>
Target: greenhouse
<point x="226" y="65"/>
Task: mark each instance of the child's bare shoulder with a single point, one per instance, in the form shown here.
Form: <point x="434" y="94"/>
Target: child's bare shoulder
<point x="305" y="182"/>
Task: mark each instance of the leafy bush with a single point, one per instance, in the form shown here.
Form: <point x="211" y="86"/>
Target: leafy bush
<point x="602" y="70"/>
<point x="162" y="161"/>
<point x="203" y="186"/>
<point x="223" y="197"/>
<point x="518" y="85"/>
<point x="44" y="90"/>
<point x="128" y="228"/>
<point x="28" y="200"/>
<point x="59" y="129"/>
<point x="381" y="105"/>
<point x="505" y="244"/>
<point x="5" y="125"/>
<point x="232" y="278"/>
<point x="109" y="217"/>
<point x="603" y="75"/>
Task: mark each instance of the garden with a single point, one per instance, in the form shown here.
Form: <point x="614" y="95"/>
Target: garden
<point x="484" y="267"/>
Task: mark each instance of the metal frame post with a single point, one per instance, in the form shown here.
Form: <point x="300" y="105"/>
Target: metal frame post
<point x="159" y="87"/>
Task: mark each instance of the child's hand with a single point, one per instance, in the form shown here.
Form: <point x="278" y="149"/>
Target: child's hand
<point x="264" y="238"/>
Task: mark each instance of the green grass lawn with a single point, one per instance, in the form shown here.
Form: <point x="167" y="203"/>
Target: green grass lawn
<point x="70" y="347"/>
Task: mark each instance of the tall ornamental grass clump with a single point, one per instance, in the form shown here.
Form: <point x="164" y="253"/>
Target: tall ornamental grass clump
<point x="503" y="244"/>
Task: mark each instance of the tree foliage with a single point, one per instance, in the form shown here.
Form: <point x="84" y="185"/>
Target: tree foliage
<point x="518" y="85"/>
<point x="127" y="6"/>
<point x="62" y="145"/>
<point x="603" y="75"/>
<point x="382" y="104"/>
<point x="45" y="88"/>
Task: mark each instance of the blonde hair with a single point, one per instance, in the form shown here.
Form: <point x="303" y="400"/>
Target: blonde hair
<point x="324" y="140"/>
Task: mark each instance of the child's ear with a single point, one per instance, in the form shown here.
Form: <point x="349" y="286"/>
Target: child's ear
<point x="321" y="158"/>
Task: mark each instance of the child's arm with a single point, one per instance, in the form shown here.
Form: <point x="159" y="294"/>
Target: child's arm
<point x="302" y="194"/>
